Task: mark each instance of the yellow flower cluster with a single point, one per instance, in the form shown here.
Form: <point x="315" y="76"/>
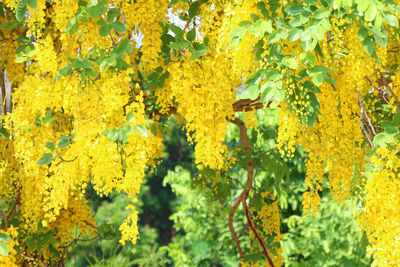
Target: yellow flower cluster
<point x="380" y="214"/>
<point x="204" y="95"/>
<point x="78" y="214"/>
<point x="268" y="220"/>
<point x="251" y="120"/>
<point x="11" y="259"/>
<point x="289" y="126"/>
<point x="146" y="25"/>
<point x="204" y="89"/>
<point x="45" y="111"/>
<point x="128" y="228"/>
<point x="46" y="57"/>
<point x="336" y="142"/>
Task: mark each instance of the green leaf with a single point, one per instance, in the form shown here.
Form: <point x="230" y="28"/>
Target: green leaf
<point x="273" y="74"/>
<point x="328" y="79"/>
<point x="199" y="53"/>
<point x="93" y="11"/>
<point x="112" y="14"/>
<point x="9" y="26"/>
<point x="4" y="237"/>
<point x="110" y="61"/>
<point x="105" y="29"/>
<point x="3" y="249"/>
<point x="91" y="73"/>
<point x="65" y="141"/>
<point x="253" y="91"/>
<point x="318" y="79"/>
<point x="317" y="69"/>
<point x="21" y="10"/>
<point x="113" y="135"/>
<point x="321" y="13"/>
<point x="262" y="8"/>
<point x="23" y="40"/>
<point x="124" y="133"/>
<point x="362" y="33"/>
<point x="378" y="20"/>
<point x="141" y="130"/>
<point x="396" y="119"/>
<point x="299" y="20"/>
<point x="391" y="20"/>
<point x="382" y="139"/>
<point x="194" y="9"/>
<point x="30" y="51"/>
<point x="389" y="128"/>
<point x="369" y="46"/>
<point x="247" y="24"/>
<point x="107" y="132"/>
<point x="118" y="26"/>
<point x="238" y="32"/>
<point x="130" y="116"/>
<point x="274" y="37"/>
<point x="92" y="3"/>
<point x="310" y="59"/>
<point x="54" y="251"/>
<point x="380" y="37"/>
<point x="177" y="30"/>
<point x="295" y="9"/>
<point x="294" y="34"/>
<point x="4" y="133"/>
<point x="290" y="62"/>
<point x="254" y="17"/>
<point x="272" y="92"/>
<point x="371" y="13"/>
<point x="72" y="26"/>
<point x="3" y="205"/>
<point x="32" y="3"/>
<point x="362" y="5"/>
<point x="191" y="35"/>
<point x="127" y="130"/>
<point x="262" y="26"/>
<point x="63" y="72"/>
<point x="234" y="42"/>
<point x="50" y="145"/>
<point x="255" y="77"/>
<point x="21" y="58"/>
<point x="179" y="45"/>
<point x="46" y="159"/>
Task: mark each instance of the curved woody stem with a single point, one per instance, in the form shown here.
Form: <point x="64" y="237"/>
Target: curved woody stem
<point x="243" y="196"/>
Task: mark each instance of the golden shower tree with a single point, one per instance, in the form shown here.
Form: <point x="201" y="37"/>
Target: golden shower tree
<point x="86" y="86"/>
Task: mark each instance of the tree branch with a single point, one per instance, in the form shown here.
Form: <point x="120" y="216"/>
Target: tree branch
<point x="243" y="196"/>
<point x="251" y="224"/>
<point x="364" y="115"/>
<point x="385" y="82"/>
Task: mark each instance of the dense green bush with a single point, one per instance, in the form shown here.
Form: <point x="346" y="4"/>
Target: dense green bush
<point x="330" y="238"/>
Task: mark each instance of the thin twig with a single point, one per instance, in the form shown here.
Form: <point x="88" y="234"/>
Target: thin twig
<point x="362" y="116"/>
<point x="71" y="160"/>
<point x="251" y="224"/>
<point x="5" y="219"/>
<point x="246" y="229"/>
<point x="385" y="82"/>
<point x="266" y="156"/>
<point x="365" y="114"/>
<point x="236" y="180"/>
